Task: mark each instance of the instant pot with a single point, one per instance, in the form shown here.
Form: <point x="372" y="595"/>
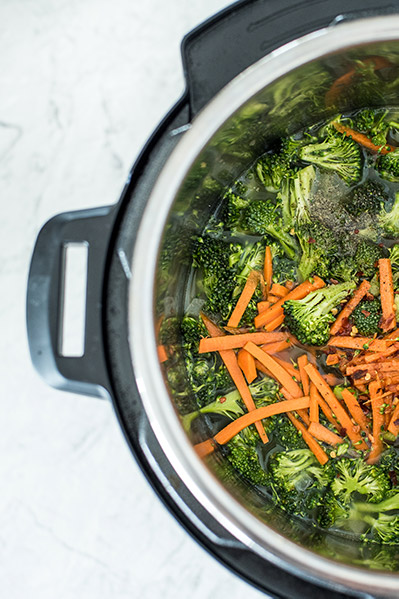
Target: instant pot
<point x="257" y="71"/>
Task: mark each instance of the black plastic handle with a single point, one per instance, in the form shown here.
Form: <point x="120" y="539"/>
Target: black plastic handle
<point x="86" y="374"/>
<point x="219" y="49"/>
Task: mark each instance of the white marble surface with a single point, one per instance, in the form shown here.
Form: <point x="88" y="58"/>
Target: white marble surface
<point x="83" y="83"/>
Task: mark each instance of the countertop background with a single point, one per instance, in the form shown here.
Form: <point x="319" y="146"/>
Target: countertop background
<point x="82" y="85"/>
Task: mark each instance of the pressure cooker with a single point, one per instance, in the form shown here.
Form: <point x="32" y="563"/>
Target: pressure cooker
<point x="257" y="71"/>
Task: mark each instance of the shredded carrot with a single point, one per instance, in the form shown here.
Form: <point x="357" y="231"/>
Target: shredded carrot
<point x="262" y="306"/>
<point x="268" y="269"/>
<point x="350" y="306"/>
<point x="230" y="360"/>
<point x="313" y="445"/>
<point x="331" y="379"/>
<point x="348" y="342"/>
<point x="388" y="399"/>
<point x="297" y="293"/>
<point x="162" y="355"/>
<point x="302" y="361"/>
<point x="374" y="357"/>
<point x="273" y="348"/>
<point x="279" y="290"/>
<point x="222" y="342"/>
<point x="272" y="299"/>
<point x="332" y="359"/>
<point x="273" y="324"/>
<point x="262" y="286"/>
<point x="247" y="364"/>
<point x="314" y="406"/>
<point x="302" y="413"/>
<point x="235" y="427"/>
<point x="324" y="434"/>
<point x="361" y="139"/>
<point x="289" y="285"/>
<point x="393" y="426"/>
<point x="337" y="409"/>
<point x="279" y="371"/>
<point x="355" y="410"/>
<point x="342" y="82"/>
<point x="388" y="320"/>
<point x="393" y="335"/>
<point x="244" y="299"/>
<point x="377" y="402"/>
<point x="265" y="370"/>
<point x="391" y="366"/>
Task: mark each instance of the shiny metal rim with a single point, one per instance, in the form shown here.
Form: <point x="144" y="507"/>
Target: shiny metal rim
<point x="162" y="416"/>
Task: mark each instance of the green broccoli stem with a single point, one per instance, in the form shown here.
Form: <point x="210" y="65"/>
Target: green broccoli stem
<point x="229" y="406"/>
<point x="392" y="503"/>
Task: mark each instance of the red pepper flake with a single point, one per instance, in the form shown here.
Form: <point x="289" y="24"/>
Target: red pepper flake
<point x="393" y="477"/>
<point x="356" y="231"/>
<point x="311" y="240"/>
<point x="396" y="423"/>
<point x="358" y="374"/>
<point x="334" y="281"/>
<point x="365" y="313"/>
<point x="222" y="399"/>
<point x="381" y="245"/>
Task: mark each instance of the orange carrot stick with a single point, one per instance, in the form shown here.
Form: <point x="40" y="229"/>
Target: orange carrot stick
<point x="297" y="293"/>
<point x="289" y="285"/>
<point x="302" y="413"/>
<point x="388" y="320"/>
<point x="393" y="335"/>
<point x="314" y="406"/>
<point x="244" y="299"/>
<point x="331" y="379"/>
<point x="273" y="324"/>
<point x="361" y="139"/>
<point x="268" y="269"/>
<point x="373" y="357"/>
<point x="230" y="360"/>
<point x="162" y="355"/>
<point x="274" y="348"/>
<point x="342" y="82"/>
<point x="313" y="445"/>
<point x="355" y="410"/>
<point x="324" y="434"/>
<point x="247" y="364"/>
<point x="348" y="342"/>
<point x="222" y="342"/>
<point x="393" y="426"/>
<point x="350" y="306"/>
<point x="335" y="406"/>
<point x="279" y="371"/>
<point x="302" y="361"/>
<point x="262" y="306"/>
<point x="377" y="402"/>
<point x="235" y="427"/>
<point x="279" y="290"/>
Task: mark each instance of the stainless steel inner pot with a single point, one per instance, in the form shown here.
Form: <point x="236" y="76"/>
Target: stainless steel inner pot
<point x="278" y="95"/>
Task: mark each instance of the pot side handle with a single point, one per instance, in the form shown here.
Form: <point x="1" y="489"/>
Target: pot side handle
<point x="223" y="46"/>
<point x="86" y="374"/>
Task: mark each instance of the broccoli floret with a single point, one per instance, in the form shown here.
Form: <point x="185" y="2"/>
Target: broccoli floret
<point x="318" y="244"/>
<point x="298" y="469"/>
<point x="356" y="477"/>
<point x="388" y="166"/>
<point x="336" y="153"/>
<point x="283" y="433"/>
<point x="367" y="256"/>
<point x="284" y="270"/>
<point x="233" y="205"/>
<point x="298" y="481"/>
<point x="245" y="258"/>
<point x="192" y="330"/>
<point x="389" y="221"/>
<point x="206" y="377"/>
<point x="243" y="456"/>
<point x="263" y="217"/>
<point x="295" y="197"/>
<point x="394" y="258"/>
<point x="273" y="168"/>
<point x="381" y="519"/>
<point x="344" y="268"/>
<point x="331" y="510"/>
<point x="366" y="317"/>
<point x="366" y="198"/>
<point x="371" y="122"/>
<point x="309" y="319"/>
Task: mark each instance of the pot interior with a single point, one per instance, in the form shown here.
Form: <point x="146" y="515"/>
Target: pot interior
<point x="343" y="81"/>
